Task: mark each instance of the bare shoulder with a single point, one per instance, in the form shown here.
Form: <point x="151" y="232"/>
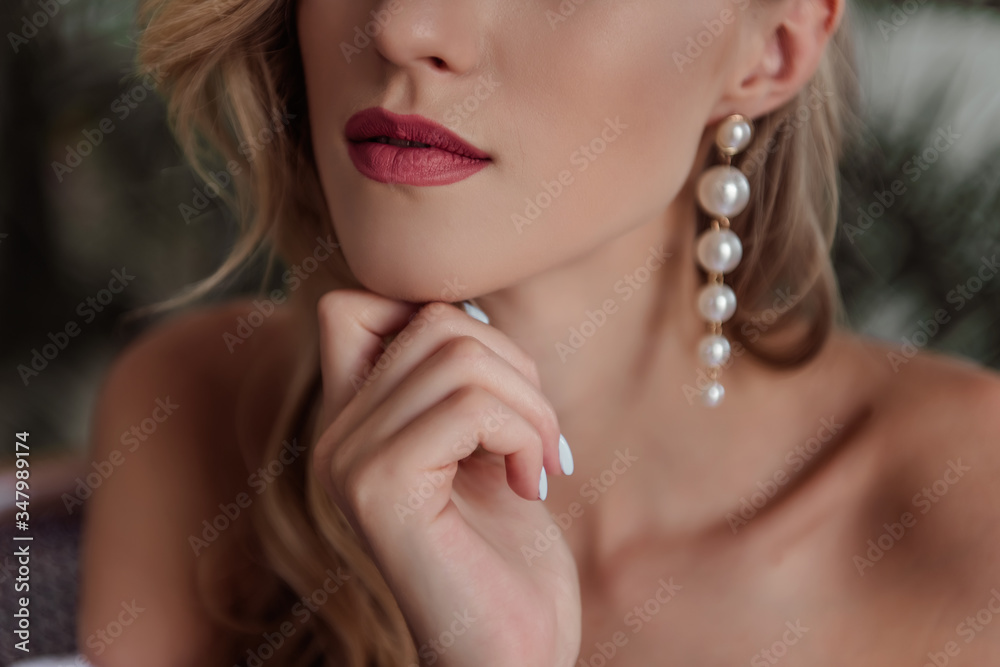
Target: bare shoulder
<point x="925" y="408"/>
<point x="222" y="358"/>
<point x="208" y="341"/>
<point x="939" y="402"/>
<point x="166" y="429"/>
<point x="934" y="508"/>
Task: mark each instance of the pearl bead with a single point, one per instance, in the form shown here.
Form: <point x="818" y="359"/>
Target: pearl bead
<point x="734" y="135"/>
<point x="717" y="303"/>
<point x="713" y="395"/>
<point x="714" y="350"/>
<point x="723" y="191"/>
<point x="719" y="250"/>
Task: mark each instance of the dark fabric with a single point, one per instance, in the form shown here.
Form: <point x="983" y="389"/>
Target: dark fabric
<point x="54" y="553"/>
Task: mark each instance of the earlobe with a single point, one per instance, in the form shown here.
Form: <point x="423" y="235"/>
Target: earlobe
<point x="784" y="57"/>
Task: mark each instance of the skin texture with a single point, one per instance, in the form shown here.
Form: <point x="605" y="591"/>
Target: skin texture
<point x="660" y="556"/>
<point x="636" y="195"/>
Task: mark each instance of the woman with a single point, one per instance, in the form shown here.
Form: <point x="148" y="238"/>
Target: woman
<point x="358" y="472"/>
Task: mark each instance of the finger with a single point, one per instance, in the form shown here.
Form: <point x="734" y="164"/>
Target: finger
<point x="459" y="363"/>
<point x="430" y="329"/>
<point x="434" y="325"/>
<point x="352" y="325"/>
<point x="453" y="429"/>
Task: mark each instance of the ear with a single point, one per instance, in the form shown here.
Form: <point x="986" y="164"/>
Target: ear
<point x="781" y="55"/>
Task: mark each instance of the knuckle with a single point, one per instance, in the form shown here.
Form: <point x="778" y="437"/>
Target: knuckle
<point x="535" y="439"/>
<point x="329" y="303"/>
<point x="327" y="308"/>
<point x="333" y="464"/>
<point x="335" y="303"/>
<point x="337" y="463"/>
<point x="466" y="350"/>
<point x="549" y="419"/>
<point x="434" y="312"/>
<point x="355" y="486"/>
<point x="470" y="400"/>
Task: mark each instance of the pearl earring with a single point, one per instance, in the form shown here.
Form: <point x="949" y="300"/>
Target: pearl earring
<point x="723" y="193"/>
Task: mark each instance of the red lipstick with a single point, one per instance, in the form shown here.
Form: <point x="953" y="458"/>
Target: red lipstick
<point x="411" y="150"/>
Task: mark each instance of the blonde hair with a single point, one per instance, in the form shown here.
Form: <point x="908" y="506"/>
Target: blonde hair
<point x="231" y="75"/>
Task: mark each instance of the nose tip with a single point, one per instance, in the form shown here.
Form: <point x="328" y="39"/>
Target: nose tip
<point x="428" y="35"/>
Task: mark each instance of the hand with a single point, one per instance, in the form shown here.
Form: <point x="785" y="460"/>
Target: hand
<point x="436" y="462"/>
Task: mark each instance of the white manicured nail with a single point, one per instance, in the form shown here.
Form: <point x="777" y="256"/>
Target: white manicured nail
<point x="476" y="312"/>
<point x="543" y="485"/>
<point x="565" y="456"/>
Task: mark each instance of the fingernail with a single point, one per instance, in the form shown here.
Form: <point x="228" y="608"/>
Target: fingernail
<point x="543" y="485"/>
<point x="565" y="456"/>
<point x="476" y="312"/>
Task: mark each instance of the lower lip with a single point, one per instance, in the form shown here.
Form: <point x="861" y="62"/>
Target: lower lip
<point x="387" y="163"/>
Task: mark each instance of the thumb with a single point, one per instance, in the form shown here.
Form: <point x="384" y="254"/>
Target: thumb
<point x="352" y="327"/>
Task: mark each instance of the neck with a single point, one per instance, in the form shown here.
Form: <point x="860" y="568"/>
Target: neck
<point x="616" y="324"/>
<point x="614" y="334"/>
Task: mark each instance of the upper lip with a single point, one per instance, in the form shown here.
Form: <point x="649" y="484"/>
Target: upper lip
<point x="378" y="122"/>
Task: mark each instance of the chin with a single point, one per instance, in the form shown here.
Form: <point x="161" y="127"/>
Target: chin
<point x="410" y="276"/>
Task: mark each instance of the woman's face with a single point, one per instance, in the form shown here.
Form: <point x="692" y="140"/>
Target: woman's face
<point x="591" y="111"/>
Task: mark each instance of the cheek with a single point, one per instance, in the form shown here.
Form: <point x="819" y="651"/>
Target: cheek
<point x="594" y="127"/>
<point x="378" y="239"/>
<point x="615" y="123"/>
<point x="330" y="71"/>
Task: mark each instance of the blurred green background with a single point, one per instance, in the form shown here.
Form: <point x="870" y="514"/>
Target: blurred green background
<point x="926" y="68"/>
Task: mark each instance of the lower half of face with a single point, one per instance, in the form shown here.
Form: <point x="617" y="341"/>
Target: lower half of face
<point x="591" y="114"/>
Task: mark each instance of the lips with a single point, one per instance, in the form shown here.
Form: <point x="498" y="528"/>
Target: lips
<point x="410" y="150"/>
<point x="371" y="124"/>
